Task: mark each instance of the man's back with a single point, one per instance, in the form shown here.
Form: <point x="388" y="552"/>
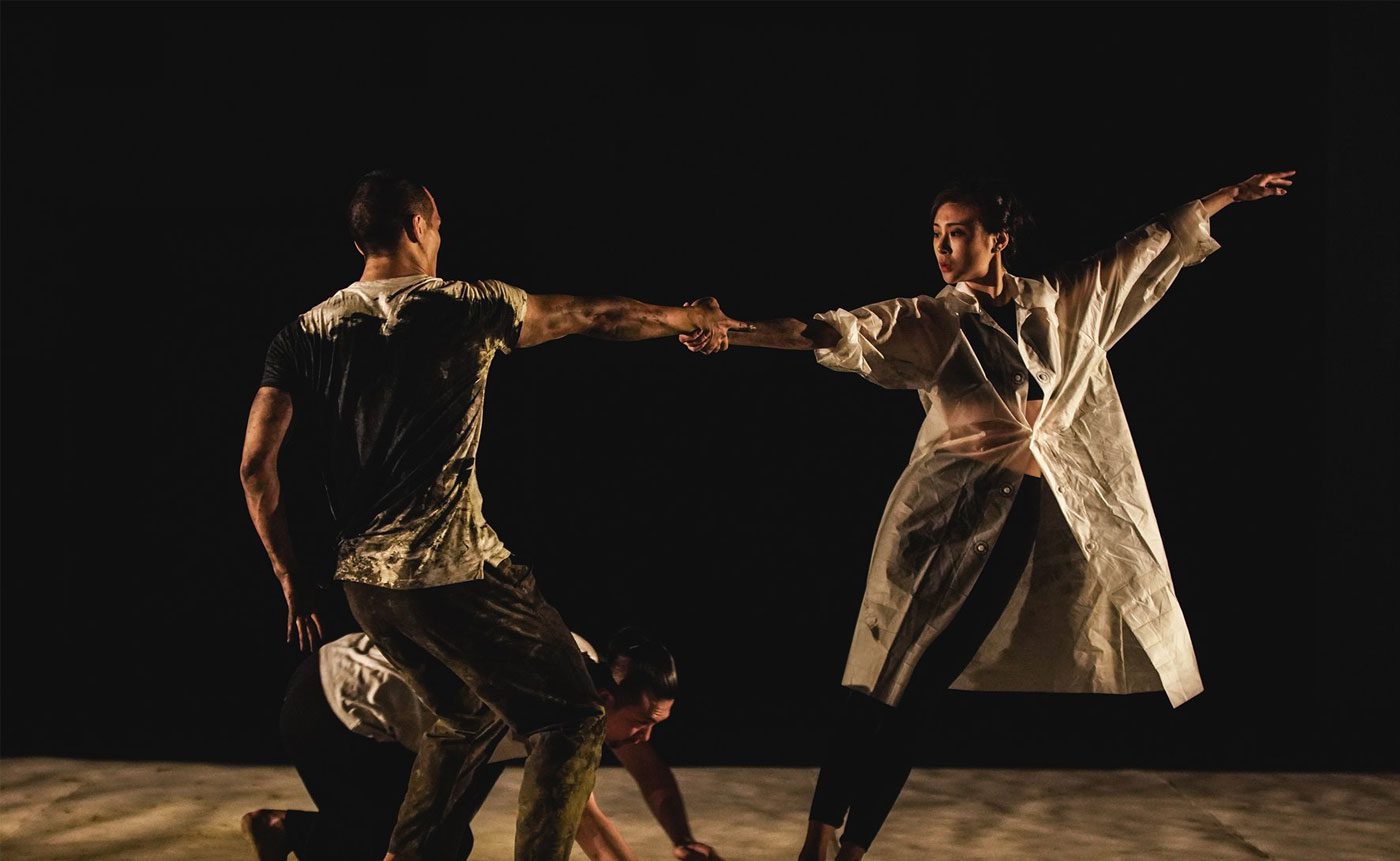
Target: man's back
<point x="388" y="378"/>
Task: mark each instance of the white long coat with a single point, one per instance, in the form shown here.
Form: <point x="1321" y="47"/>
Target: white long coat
<point x="1095" y="610"/>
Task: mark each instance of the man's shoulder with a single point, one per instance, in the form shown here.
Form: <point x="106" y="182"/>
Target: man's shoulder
<point x="351" y="301"/>
<point x="483" y="289"/>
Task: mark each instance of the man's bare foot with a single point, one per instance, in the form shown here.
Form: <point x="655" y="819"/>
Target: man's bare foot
<point x="268" y="831"/>
<point x="820" y="837"/>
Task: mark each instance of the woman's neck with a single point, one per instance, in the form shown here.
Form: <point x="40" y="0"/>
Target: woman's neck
<point x="986" y="286"/>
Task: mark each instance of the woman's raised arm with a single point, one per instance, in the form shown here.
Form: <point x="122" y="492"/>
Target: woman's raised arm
<point x="1257" y="187"/>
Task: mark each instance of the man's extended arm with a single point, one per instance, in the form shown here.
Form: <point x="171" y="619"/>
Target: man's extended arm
<point x="663" y="796"/>
<point x="262" y="488"/>
<point x="618" y="318"/>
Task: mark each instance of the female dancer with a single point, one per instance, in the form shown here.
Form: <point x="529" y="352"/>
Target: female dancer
<point x="982" y="579"/>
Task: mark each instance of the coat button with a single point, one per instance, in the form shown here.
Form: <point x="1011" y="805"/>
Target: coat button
<point x="981" y="547"/>
<point x="1090" y="546"/>
<point x="1006" y="490"/>
<point x="1018" y="378"/>
<point x="1042" y="376"/>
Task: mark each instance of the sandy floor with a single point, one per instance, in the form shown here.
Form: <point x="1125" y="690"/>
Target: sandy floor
<point x="67" y="809"/>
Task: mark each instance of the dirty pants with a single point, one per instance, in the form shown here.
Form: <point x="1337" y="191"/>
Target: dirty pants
<point x="488" y="657"/>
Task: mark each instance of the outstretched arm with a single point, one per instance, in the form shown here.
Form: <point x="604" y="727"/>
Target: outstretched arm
<point x="262" y="489"/>
<point x="1106" y="295"/>
<point x="598" y="837"/>
<point x="787" y="333"/>
<point x="1257" y="187"/>
<point x="617" y="318"/>
<point x="663" y="796"/>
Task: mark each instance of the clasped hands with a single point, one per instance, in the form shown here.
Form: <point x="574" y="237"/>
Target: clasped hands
<point x="711" y="334"/>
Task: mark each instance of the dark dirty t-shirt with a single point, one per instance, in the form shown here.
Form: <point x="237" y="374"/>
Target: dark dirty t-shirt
<point x="388" y="378"/>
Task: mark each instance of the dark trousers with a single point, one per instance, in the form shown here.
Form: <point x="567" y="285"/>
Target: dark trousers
<point x="356" y="782"/>
<point x="872" y="747"/>
<point x="488" y="657"/>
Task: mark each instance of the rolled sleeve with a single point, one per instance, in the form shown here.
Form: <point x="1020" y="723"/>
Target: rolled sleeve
<point x="1108" y="294"/>
<point x="1190" y="229"/>
<point x="847" y="354"/>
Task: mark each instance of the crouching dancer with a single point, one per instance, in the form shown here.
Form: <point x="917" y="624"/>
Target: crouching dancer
<point x="350" y="724"/>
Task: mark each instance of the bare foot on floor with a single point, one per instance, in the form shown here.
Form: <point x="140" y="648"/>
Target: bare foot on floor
<point x="267" y="829"/>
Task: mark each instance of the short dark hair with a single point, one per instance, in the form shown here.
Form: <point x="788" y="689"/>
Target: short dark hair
<point x="998" y="207"/>
<point x="382" y="207"/>
<point x="645" y="665"/>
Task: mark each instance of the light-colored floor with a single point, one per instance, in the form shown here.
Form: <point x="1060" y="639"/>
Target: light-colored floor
<point x="55" y="809"/>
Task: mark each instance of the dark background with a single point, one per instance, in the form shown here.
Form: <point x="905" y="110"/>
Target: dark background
<point x="174" y="180"/>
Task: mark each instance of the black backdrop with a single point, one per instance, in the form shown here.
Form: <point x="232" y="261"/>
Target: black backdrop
<point x="174" y="178"/>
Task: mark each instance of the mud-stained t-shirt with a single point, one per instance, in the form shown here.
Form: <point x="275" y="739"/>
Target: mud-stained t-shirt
<point x="388" y="377"/>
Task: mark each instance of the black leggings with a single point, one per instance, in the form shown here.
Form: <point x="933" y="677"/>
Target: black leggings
<point x="871" y="750"/>
<point x="356" y="782"/>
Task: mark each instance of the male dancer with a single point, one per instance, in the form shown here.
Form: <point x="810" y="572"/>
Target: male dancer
<point x="389" y="377"/>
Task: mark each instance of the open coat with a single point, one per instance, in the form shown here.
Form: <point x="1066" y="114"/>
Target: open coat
<point x="1095" y="610"/>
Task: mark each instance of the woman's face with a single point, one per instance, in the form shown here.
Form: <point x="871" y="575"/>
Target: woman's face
<point x="963" y="247"/>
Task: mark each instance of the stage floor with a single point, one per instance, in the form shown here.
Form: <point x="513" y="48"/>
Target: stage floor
<point x="55" y="809"/>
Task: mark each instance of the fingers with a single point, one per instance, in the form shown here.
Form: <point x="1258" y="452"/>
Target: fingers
<point x="306" y="634"/>
<point x="1278" y="183"/>
<point x="1263" y="185"/>
<point x="716" y="341"/>
<point x="1273" y="184"/>
<point x="307" y="628"/>
<point x="713" y="340"/>
<point x="707" y="341"/>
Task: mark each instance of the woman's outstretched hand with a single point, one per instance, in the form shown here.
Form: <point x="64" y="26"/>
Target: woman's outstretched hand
<point x="1263" y="185"/>
<point x="1257" y="187"/>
